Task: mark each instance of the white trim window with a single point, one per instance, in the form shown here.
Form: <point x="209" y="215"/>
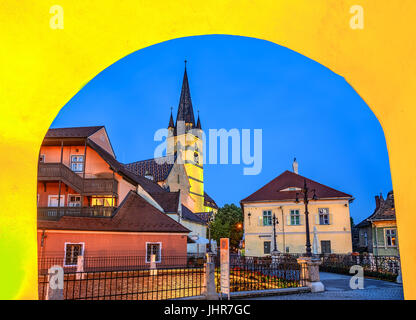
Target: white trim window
<point x="72" y="251"/>
<point x="53" y="200"/>
<point x="154" y="248"/>
<point x="390" y="235"/>
<point x="323" y="216"/>
<point x="267" y="218"/>
<point x="74" y="200"/>
<point x="294" y="217"/>
<point x="77" y="163"/>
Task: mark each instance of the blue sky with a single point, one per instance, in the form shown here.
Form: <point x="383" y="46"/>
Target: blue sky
<point x="304" y="109"/>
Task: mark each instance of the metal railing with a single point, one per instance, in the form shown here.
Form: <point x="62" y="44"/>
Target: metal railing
<point x="88" y="186"/>
<point x="262" y="273"/>
<point x="126" y="278"/>
<point x="383" y="267"/>
<point x="55" y="213"/>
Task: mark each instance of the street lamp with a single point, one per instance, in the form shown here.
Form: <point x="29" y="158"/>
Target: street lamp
<point x="210" y="218"/>
<point x="305" y="193"/>
<point x="275" y="221"/>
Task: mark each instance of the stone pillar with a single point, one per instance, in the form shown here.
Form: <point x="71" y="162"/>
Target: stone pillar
<point x="55" y="288"/>
<point x="275" y="257"/>
<point x="209" y="278"/>
<point x="310" y="273"/>
<point x="153" y="270"/>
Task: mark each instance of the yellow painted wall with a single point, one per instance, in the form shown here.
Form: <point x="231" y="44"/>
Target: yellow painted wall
<point x="42" y="68"/>
<point x="294" y="237"/>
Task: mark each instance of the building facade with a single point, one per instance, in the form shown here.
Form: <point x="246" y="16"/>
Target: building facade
<point x="378" y="233"/>
<point x="329" y="214"/>
<point x="89" y="203"/>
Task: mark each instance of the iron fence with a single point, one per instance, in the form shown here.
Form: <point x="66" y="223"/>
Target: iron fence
<point x="383" y="267"/>
<point x="262" y="273"/>
<point x="126" y="278"/>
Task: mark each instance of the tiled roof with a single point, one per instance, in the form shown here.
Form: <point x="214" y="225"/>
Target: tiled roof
<point x="159" y="168"/>
<point x="169" y="201"/>
<point x="134" y="214"/>
<point x="205" y="216"/>
<point x="386" y="210"/>
<point x="74" y="132"/>
<point x="209" y="202"/>
<point x="187" y="214"/>
<point x="274" y="190"/>
<point x="148" y="185"/>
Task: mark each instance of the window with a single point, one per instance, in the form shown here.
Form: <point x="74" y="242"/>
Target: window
<point x="267" y="246"/>
<point x="323" y="215"/>
<point x="42" y="158"/>
<point x="153" y="248"/>
<point x="287" y="249"/>
<point x="391" y="237"/>
<point x="102" y="201"/>
<point x="72" y="251"/>
<point x="326" y="246"/>
<point x="294" y="218"/>
<point x="267" y="218"/>
<point x="365" y="239"/>
<point x="74" y="201"/>
<point x="77" y="163"/>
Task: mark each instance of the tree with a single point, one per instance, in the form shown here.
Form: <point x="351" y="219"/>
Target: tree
<point x="228" y="223"/>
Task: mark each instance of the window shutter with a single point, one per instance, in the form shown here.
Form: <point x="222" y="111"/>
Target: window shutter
<point x="330" y="218"/>
<point x="317" y="219"/>
<point x="288" y="220"/>
<point x="302" y="219"/>
<point x="260" y="220"/>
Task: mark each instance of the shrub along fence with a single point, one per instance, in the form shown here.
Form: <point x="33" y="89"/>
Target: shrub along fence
<point x="261" y="273"/>
<point x="381" y="267"/>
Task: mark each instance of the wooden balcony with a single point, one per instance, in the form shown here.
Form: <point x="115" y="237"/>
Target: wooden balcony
<point x="55" y="213"/>
<point x="89" y="186"/>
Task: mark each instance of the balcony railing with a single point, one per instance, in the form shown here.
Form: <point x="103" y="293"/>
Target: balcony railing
<point x="55" y="213"/>
<point x="90" y="186"/>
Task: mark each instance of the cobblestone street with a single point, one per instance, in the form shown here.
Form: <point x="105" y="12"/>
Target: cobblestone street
<point x="337" y="288"/>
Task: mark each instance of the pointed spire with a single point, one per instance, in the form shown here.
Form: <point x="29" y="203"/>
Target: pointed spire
<point x="171" y="123"/>
<point x="198" y="124"/>
<point x="185" y="109"/>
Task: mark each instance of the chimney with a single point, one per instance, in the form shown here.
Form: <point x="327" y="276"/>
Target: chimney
<point x="377" y="202"/>
<point x="295" y="166"/>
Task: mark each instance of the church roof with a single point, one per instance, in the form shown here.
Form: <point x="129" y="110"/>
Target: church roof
<point x="209" y="202"/>
<point x="279" y="189"/>
<point x="185" y="109"/>
<point x="169" y="201"/>
<point x="159" y="168"/>
<point x="134" y="214"/>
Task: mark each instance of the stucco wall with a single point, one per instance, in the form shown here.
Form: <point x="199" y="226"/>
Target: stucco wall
<point x="338" y="231"/>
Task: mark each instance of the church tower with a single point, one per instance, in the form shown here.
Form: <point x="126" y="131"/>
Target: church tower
<point x="185" y="143"/>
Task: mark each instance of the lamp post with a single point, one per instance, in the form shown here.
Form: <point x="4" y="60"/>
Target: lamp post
<point x="209" y="232"/>
<point x="275" y="221"/>
<point x="305" y="193"/>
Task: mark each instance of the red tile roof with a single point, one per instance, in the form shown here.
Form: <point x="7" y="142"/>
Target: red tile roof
<point x="134" y="214"/>
<point x="273" y="190"/>
<point x="169" y="201"/>
<point x="73" y="132"/>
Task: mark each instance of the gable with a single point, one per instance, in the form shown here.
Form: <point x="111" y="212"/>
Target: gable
<point x="101" y="138"/>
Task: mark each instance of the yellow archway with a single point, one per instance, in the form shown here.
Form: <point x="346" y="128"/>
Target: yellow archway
<point x="43" y="67"/>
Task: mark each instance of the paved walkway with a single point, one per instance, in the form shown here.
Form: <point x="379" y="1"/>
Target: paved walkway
<point x="337" y="288"/>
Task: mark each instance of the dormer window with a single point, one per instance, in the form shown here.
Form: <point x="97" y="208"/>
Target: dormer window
<point x="291" y="189"/>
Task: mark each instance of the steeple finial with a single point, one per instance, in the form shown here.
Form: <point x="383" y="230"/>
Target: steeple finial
<point x="185" y="109"/>
<point x="198" y="123"/>
<point x="295" y="166"/>
<point x="171" y="123"/>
